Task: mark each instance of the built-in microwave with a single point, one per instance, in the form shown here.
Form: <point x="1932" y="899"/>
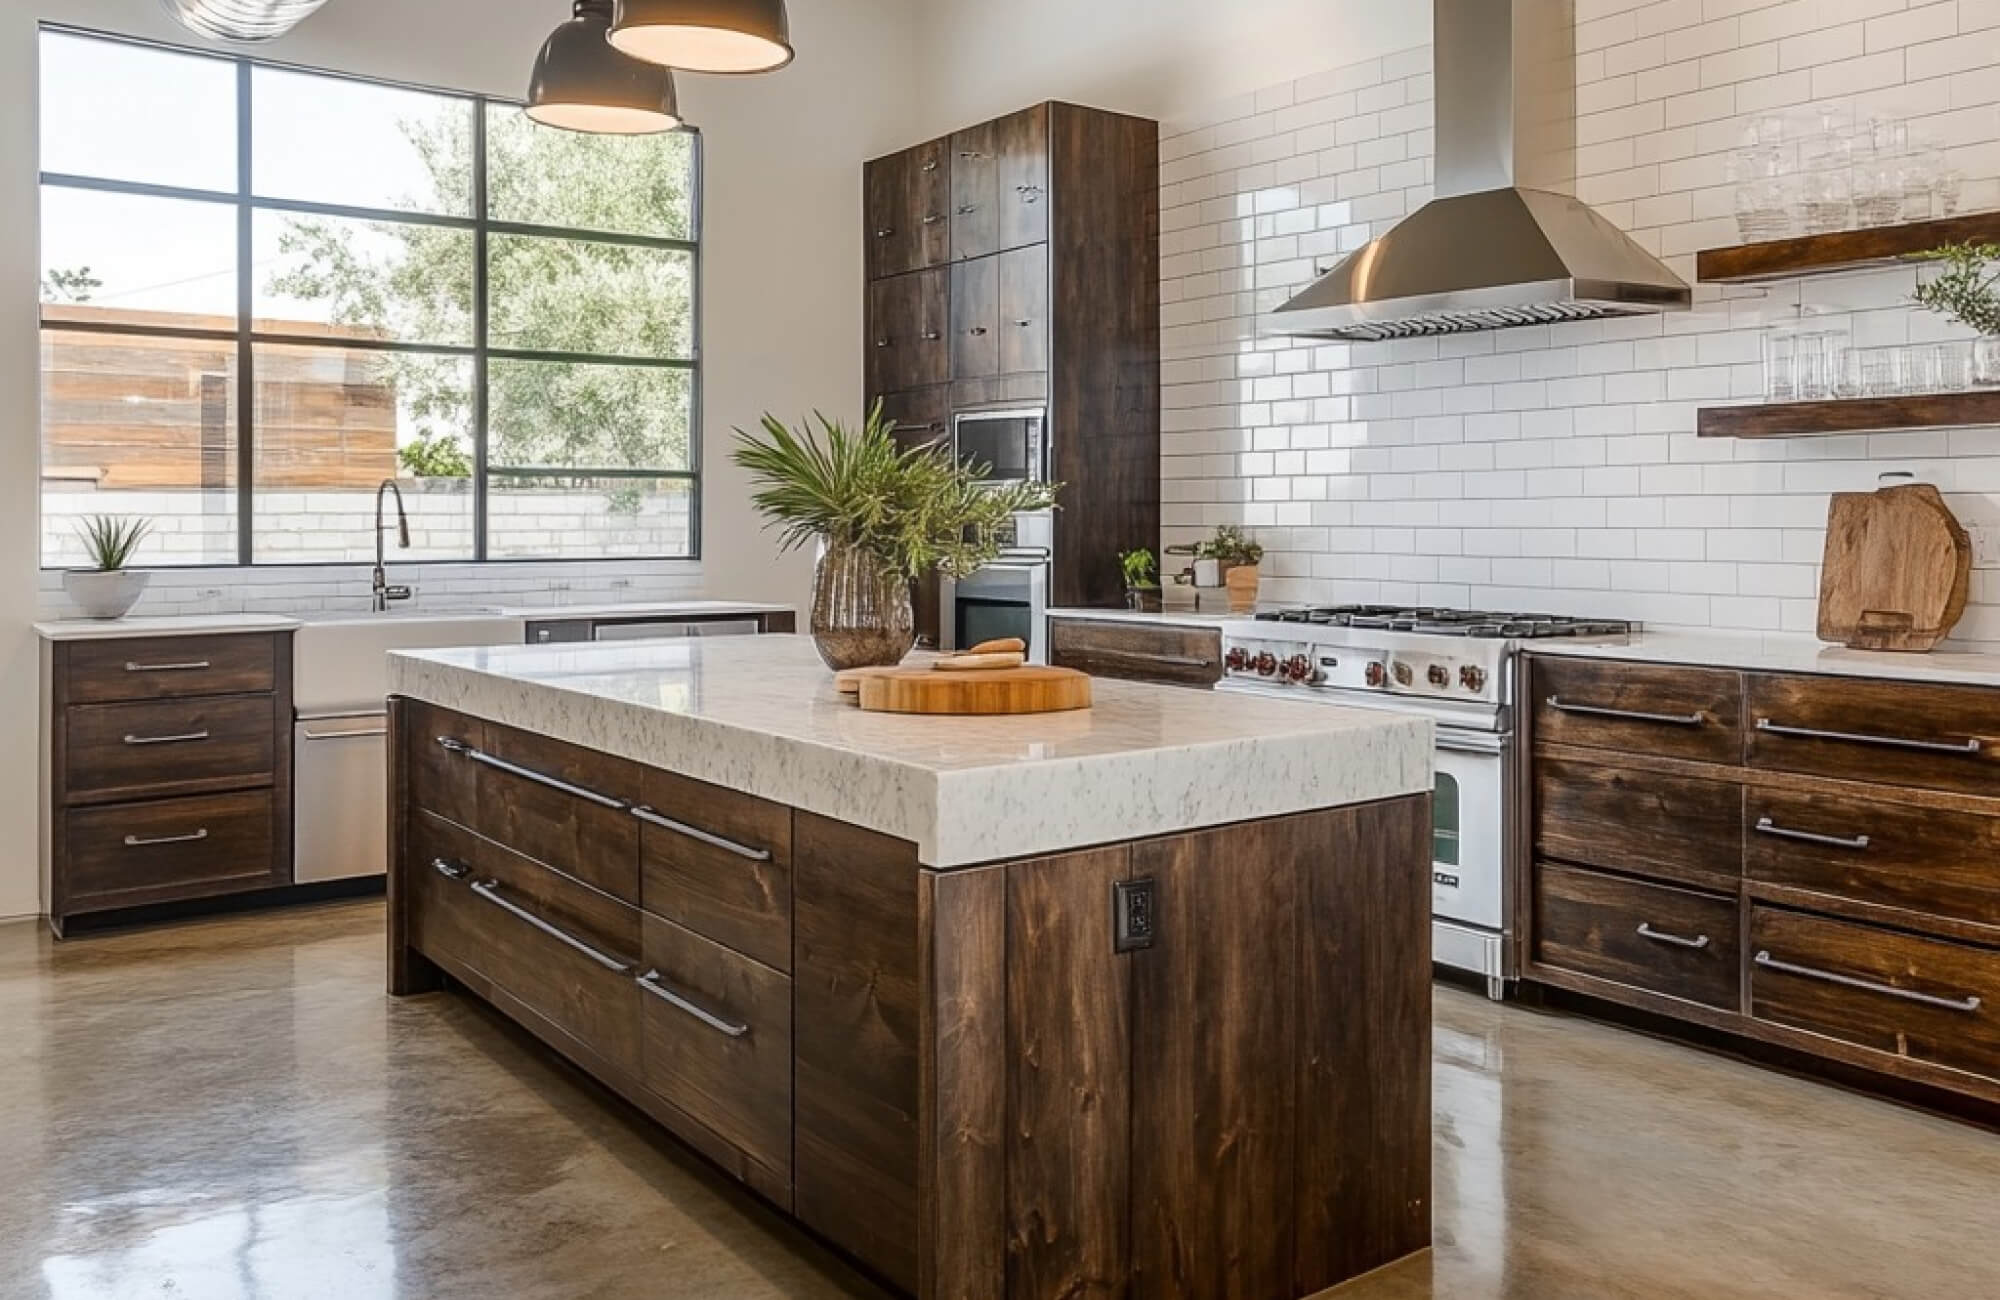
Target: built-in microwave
<point x="1006" y="446"/>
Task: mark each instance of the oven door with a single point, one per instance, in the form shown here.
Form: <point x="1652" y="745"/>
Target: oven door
<point x="1468" y="840"/>
<point x="1004" y="599"/>
<point x="1003" y="446"/>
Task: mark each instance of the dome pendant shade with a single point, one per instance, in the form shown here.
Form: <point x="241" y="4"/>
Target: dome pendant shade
<point x="580" y="83"/>
<point x="241" y="20"/>
<point x="705" y="35"/>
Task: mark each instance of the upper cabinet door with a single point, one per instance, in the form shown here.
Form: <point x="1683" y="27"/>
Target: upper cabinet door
<point x="1021" y="143"/>
<point x="975" y="192"/>
<point x="909" y="210"/>
<point x="1024" y="309"/>
<point x="975" y="319"/>
<point x="907" y="319"/>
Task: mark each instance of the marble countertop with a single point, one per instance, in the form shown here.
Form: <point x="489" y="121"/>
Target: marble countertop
<point x="103" y="629"/>
<point x="1184" y="616"/>
<point x="645" y="609"/>
<point x="1782" y="652"/>
<point x="761" y="715"/>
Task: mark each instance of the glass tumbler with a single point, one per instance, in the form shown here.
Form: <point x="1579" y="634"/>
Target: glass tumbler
<point x="1781" y="364"/>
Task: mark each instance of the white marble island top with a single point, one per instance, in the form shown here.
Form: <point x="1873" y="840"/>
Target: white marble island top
<point x="761" y="715"/>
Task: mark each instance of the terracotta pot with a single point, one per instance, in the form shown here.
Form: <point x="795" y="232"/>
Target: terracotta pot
<point x="1242" y="583"/>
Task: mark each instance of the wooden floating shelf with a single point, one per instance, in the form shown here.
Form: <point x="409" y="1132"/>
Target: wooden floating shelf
<point x="1852" y="415"/>
<point x="1844" y="250"/>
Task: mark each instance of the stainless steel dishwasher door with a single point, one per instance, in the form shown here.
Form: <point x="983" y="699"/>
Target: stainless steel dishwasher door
<point x="341" y="774"/>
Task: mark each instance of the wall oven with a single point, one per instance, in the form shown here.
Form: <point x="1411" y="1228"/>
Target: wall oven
<point x="1007" y="598"/>
<point x="1006" y="446"/>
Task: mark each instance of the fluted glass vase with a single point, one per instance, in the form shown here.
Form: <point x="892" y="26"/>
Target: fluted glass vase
<point x="861" y="616"/>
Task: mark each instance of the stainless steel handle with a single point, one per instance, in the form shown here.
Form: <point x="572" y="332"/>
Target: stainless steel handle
<point x="931" y="336"/>
<point x="490" y="891"/>
<point x="653" y="818"/>
<point x="1855" y="737"/>
<point x="933" y="218"/>
<point x="449" y="869"/>
<point x="192" y="666"/>
<point x="148" y="841"/>
<point x="182" y="739"/>
<point x="967" y="209"/>
<point x="310" y="734"/>
<point x="931" y="166"/>
<point x="1024" y="323"/>
<point x="1697" y="943"/>
<point x="1765" y="826"/>
<point x="1768" y="962"/>
<point x="885" y="232"/>
<point x="530" y="774"/>
<point x="1140" y="657"/>
<point x="970" y="154"/>
<point x="1561" y="705"/>
<point x="650" y="982"/>
<point x="977" y="331"/>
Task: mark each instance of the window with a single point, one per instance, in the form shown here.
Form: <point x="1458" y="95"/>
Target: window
<point x="265" y="290"/>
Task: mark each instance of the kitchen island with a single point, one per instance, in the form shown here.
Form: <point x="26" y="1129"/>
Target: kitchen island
<point x="1131" y="1000"/>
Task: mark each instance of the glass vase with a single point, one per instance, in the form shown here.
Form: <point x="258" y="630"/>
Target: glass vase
<point x="1986" y="361"/>
<point x="861" y="616"/>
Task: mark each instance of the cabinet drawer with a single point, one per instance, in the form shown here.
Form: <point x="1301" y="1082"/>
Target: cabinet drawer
<point x="718" y="1041"/>
<point x="1676" y="827"/>
<point x="561" y="805"/>
<point x="132" y="854"/>
<point x="192" y="746"/>
<point x="1924" y="999"/>
<point x="562" y="948"/>
<point x="1895" y="733"/>
<point x="1903" y="855"/>
<point x="1652" y="937"/>
<point x="170" y="667"/>
<point x="921" y="415"/>
<point x="1692" y="713"/>
<point x="436" y="741"/>
<point x="719" y="863"/>
<point x="1140" y="652"/>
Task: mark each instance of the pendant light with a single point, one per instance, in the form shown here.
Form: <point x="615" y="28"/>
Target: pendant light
<point x="580" y="83"/>
<point x="705" y="35"/>
<point x="241" y="20"/>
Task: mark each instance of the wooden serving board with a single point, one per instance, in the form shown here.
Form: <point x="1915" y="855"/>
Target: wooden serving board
<point x="1031" y="688"/>
<point x="1896" y="569"/>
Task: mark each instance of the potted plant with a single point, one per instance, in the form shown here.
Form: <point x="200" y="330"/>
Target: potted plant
<point x="1142" y="579"/>
<point x="1238" y="557"/>
<point x="882" y="517"/>
<point x="1968" y="292"/>
<point x="107" y="589"/>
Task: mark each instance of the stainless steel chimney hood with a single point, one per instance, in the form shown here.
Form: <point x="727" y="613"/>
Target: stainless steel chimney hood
<point x="1504" y="243"/>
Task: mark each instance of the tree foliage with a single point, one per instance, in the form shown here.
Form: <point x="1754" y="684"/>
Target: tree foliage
<point x="415" y="283"/>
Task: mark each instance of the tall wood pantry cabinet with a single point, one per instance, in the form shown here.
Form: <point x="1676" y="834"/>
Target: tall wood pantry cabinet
<point x="1015" y="264"/>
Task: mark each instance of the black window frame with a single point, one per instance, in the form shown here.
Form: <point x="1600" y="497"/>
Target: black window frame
<point x="246" y="204"/>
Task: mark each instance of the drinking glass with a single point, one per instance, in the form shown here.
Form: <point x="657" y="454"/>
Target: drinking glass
<point x="1781" y="364"/>
<point x="1879" y="376"/>
<point x="1818" y="365"/>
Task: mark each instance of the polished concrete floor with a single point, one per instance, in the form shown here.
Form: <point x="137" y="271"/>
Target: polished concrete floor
<point x="233" y="1110"/>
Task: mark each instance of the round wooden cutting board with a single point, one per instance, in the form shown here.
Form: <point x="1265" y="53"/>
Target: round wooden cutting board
<point x="1030" y="688"/>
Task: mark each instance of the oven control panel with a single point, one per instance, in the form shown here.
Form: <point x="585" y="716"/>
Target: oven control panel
<point x="1464" y="671"/>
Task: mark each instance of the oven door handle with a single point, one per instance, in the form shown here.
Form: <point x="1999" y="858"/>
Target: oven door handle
<point x="1472" y="742"/>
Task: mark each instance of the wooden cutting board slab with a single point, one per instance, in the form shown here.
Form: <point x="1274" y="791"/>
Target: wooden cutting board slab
<point x="1031" y="688"/>
<point x="1896" y="569"/>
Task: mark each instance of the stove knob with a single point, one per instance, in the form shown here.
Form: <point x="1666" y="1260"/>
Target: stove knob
<point x="1298" y="668"/>
<point x="1403" y="674"/>
<point x="1472" y="677"/>
<point x="1375" y="674"/>
<point x="1237" y="659"/>
<point x="1438" y="676"/>
<point x="1267" y="664"/>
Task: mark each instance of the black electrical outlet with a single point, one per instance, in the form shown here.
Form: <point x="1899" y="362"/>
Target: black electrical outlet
<point x="1132" y="915"/>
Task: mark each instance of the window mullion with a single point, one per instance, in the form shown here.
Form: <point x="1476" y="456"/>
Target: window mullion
<point x="480" y="314"/>
<point x="246" y="297"/>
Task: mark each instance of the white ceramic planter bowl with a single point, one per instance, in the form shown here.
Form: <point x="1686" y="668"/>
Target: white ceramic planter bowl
<point x="105" y="594"/>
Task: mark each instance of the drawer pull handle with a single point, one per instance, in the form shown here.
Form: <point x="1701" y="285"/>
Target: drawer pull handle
<point x="1768" y="962"/>
<point x="650" y="982"/>
<point x="931" y="166"/>
<point x="885" y="232"/>
<point x="652" y="818"/>
<point x="193" y="666"/>
<point x="184" y="738"/>
<point x="356" y="734"/>
<point x="1854" y="737"/>
<point x="490" y="891"/>
<point x="933" y="218"/>
<point x="1646" y="931"/>
<point x="1765" y="826"/>
<point x="1142" y="657"/>
<point x="1560" y="705"/>
<point x="449" y="869"/>
<point x="148" y="841"/>
<point x="530" y="774"/>
<point x="931" y="336"/>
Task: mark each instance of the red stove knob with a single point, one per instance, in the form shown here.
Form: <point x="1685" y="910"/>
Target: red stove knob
<point x="1472" y="677"/>
<point x="1267" y="664"/>
<point x="1298" y="668"/>
<point x="1376" y="674"/>
<point x="1237" y="659"/>
<point x="1438" y="676"/>
<point x="1403" y="674"/>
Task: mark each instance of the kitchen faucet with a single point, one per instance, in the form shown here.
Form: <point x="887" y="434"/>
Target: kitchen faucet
<point x="384" y="593"/>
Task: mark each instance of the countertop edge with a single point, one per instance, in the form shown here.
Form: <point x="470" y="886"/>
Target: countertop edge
<point x="1784" y="653"/>
<point x="113" y="629"/>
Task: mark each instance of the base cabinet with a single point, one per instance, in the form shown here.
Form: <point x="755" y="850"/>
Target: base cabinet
<point x="975" y="1082"/>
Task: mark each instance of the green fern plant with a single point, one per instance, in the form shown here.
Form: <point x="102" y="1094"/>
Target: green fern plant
<point x="1141" y="570"/>
<point x="111" y="540"/>
<point x="913" y="509"/>
<point x="1968" y="291"/>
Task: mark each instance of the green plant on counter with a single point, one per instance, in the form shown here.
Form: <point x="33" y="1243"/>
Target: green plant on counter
<point x="111" y="540"/>
<point x="434" y="456"/>
<point x="912" y="509"/>
<point x="1231" y="547"/>
<point x="1142" y="571"/>
<point x="1968" y="290"/>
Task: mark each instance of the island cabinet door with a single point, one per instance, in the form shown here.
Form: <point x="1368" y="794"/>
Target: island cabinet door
<point x="563" y="806"/>
<point x="719" y="863"/>
<point x="434" y="745"/>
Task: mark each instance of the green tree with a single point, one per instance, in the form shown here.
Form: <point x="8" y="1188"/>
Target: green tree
<point x="415" y="282"/>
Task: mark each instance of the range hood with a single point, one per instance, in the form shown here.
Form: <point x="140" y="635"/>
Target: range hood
<point x="1505" y="242"/>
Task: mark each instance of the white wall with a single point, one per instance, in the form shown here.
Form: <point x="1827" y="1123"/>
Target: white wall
<point x="781" y="326"/>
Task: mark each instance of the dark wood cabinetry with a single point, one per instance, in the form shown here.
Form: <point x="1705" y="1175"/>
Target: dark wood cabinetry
<point x="1140" y="652"/>
<point x="1811" y="862"/>
<point x="169" y="770"/>
<point x="1049" y="221"/>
